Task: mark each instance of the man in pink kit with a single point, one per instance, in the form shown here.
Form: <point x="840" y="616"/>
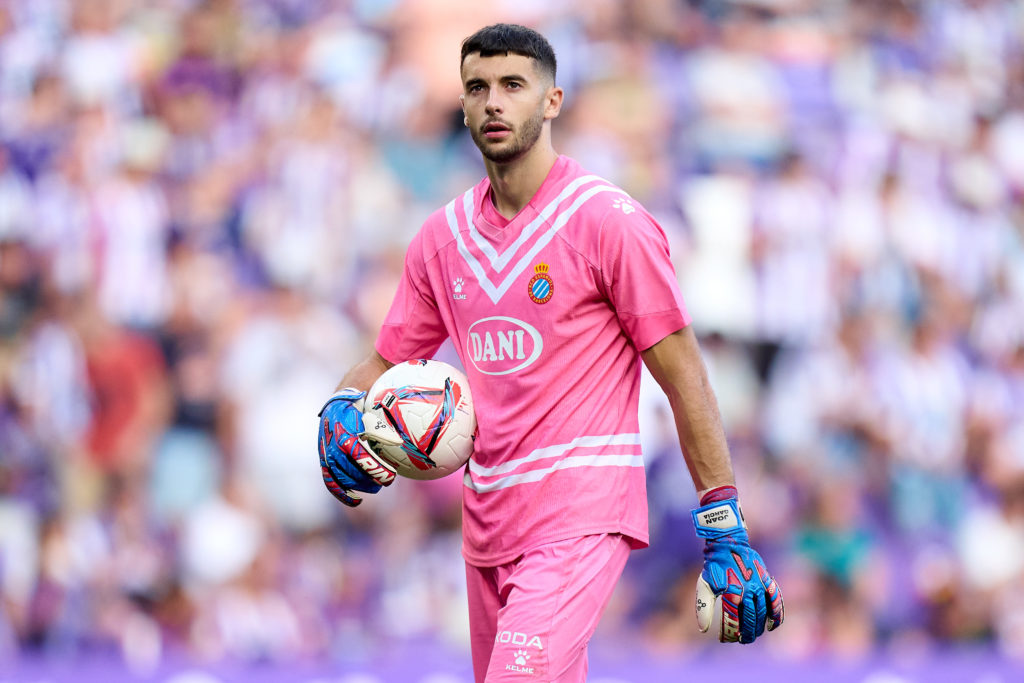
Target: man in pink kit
<point x="553" y="285"/>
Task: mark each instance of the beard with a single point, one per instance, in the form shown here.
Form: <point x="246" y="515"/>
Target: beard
<point x="522" y="140"/>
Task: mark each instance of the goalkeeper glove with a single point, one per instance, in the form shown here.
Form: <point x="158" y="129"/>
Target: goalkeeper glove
<point x="348" y="462"/>
<point x="751" y="598"/>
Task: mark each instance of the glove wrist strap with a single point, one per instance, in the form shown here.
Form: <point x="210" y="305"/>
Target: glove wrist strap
<point x="718" y="519"/>
<point x="346" y="394"/>
<point x="717" y="494"/>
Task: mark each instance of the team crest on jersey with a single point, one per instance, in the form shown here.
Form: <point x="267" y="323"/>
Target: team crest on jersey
<point x="541" y="286"/>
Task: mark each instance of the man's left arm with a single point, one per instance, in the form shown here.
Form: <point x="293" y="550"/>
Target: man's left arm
<point x="751" y="599"/>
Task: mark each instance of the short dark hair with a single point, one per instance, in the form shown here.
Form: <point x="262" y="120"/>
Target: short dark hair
<point x="502" y="39"/>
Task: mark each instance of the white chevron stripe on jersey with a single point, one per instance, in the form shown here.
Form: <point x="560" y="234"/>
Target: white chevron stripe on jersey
<point x="555" y="451"/>
<point x="572" y="462"/>
<point x="495" y="292"/>
<point x="499" y="261"/>
<point x="474" y="265"/>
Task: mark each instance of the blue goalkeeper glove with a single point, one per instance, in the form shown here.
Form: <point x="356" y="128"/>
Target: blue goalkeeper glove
<point x="751" y="598"/>
<point x="347" y="459"/>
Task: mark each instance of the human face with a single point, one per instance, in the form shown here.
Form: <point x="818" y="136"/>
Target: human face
<point x="506" y="102"/>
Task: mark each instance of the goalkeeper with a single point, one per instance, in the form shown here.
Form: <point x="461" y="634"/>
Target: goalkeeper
<point x="554" y="285"/>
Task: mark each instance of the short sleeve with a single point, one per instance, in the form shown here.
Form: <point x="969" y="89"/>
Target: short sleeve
<point x="413" y="327"/>
<point x="639" y="278"/>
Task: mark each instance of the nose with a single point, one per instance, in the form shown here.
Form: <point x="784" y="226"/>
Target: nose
<point x="493" y="106"/>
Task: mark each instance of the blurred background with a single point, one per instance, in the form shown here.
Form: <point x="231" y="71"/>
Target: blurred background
<point x="204" y="205"/>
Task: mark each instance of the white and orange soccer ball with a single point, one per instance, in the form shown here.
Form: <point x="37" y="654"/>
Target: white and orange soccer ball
<point x="428" y="402"/>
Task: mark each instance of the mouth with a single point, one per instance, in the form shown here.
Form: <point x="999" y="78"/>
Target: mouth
<point x="495" y="130"/>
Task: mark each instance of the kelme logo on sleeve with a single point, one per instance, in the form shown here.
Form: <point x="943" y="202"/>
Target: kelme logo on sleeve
<point x="500" y="345"/>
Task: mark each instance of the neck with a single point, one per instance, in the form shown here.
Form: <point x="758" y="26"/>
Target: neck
<point x="514" y="183"/>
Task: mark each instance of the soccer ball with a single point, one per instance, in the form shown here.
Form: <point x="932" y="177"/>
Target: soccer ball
<point x="429" y="404"/>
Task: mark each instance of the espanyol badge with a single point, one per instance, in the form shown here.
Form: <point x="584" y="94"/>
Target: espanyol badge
<point x="541" y="287"/>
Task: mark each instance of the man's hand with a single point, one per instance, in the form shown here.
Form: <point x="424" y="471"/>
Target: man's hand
<point x="347" y="460"/>
<point x="751" y="599"/>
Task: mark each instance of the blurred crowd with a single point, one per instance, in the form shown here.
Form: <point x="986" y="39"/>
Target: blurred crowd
<point x="204" y="206"/>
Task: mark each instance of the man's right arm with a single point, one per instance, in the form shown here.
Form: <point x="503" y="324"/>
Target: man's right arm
<point x="412" y="328"/>
<point x="348" y="463"/>
<point x="364" y="373"/>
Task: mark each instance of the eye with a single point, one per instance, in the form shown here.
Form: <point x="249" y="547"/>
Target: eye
<point x="476" y="87"/>
<point x="515" y="85"/>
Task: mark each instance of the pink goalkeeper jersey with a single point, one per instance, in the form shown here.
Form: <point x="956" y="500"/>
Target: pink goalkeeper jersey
<point x="547" y="312"/>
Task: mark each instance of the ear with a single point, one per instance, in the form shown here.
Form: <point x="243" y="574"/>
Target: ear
<point x="553" y="102"/>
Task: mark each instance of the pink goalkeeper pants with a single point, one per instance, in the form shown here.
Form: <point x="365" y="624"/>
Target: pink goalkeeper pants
<point x="531" y="619"/>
